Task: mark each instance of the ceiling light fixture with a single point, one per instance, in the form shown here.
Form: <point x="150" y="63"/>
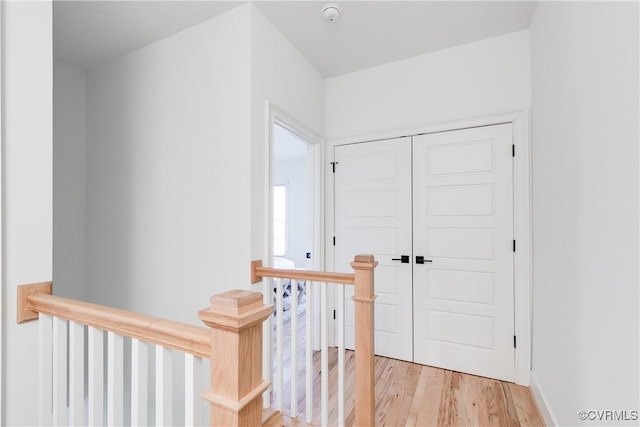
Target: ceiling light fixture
<point x="330" y="12"/>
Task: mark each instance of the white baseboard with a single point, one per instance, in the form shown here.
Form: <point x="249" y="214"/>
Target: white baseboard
<point x="538" y="396"/>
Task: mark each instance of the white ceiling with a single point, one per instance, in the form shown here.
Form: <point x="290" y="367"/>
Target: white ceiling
<point x="368" y="33"/>
<point x="87" y="33"/>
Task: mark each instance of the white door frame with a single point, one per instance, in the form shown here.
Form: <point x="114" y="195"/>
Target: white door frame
<point x="2" y="282"/>
<point x="521" y="207"/>
<point x="274" y="115"/>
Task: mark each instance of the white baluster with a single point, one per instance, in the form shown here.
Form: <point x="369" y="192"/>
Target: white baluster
<point x="267" y="341"/>
<point x="45" y="362"/>
<point x="192" y="389"/>
<point x="340" y="319"/>
<point x="164" y="413"/>
<point x="59" y="371"/>
<point x="309" y="351"/>
<point x="115" y="387"/>
<point x="279" y="342"/>
<point x="294" y="348"/>
<point x="96" y="377"/>
<point x="324" y="356"/>
<point x="139" y="376"/>
<point x="76" y="374"/>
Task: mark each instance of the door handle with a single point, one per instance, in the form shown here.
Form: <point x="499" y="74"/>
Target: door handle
<point x="421" y="260"/>
<point x="403" y="259"/>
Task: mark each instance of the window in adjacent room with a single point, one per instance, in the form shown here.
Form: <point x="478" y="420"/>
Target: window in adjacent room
<point x="279" y="220"/>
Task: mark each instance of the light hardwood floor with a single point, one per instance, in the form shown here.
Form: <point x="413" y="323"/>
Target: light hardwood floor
<point x="408" y="394"/>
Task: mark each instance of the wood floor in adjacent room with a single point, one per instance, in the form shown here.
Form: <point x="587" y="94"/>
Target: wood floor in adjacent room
<point x="408" y="394"/>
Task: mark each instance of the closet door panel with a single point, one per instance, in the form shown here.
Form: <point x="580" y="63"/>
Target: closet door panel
<point x="463" y="227"/>
<point x="373" y="216"/>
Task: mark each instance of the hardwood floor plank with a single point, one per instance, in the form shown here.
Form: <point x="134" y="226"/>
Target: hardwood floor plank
<point x="527" y="411"/>
<point x="497" y="414"/>
<point x="512" y="412"/>
<point x="416" y="402"/>
<point x="447" y="414"/>
<point x="409" y="388"/>
<point x="402" y="395"/>
<point x="428" y="407"/>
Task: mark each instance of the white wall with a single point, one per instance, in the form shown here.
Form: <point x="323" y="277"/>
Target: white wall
<point x="295" y="175"/>
<point x="281" y="75"/>
<point x="477" y="79"/>
<point x="27" y="192"/>
<point x="585" y="126"/>
<point x="69" y="151"/>
<point x="168" y="171"/>
<point x="176" y="161"/>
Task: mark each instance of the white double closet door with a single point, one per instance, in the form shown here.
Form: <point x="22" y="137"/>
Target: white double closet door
<point x="445" y="198"/>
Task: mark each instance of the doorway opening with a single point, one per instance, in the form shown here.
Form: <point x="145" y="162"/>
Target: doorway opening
<point x="292" y="214"/>
<point x="295" y="218"/>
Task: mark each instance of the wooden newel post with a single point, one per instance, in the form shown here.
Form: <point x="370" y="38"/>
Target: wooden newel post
<point x="235" y="319"/>
<point x="364" y="327"/>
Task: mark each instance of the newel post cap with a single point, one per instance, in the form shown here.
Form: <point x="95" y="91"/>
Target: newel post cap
<point x="235" y="310"/>
<point x="364" y="262"/>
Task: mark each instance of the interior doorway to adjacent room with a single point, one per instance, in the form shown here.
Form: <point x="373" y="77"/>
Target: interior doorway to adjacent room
<point x="295" y="236"/>
<point x="292" y="194"/>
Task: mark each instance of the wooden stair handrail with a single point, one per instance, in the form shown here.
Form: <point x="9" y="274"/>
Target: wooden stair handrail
<point x="258" y="272"/>
<point x="187" y="338"/>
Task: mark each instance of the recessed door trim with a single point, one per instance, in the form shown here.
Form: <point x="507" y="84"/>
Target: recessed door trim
<point x="522" y="214"/>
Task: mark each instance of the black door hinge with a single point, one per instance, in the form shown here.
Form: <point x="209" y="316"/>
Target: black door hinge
<point x="514" y="246"/>
<point x="514" y="341"/>
<point x="334" y="315"/>
<point x="334" y="240"/>
<point x="513" y="150"/>
<point x="333" y="166"/>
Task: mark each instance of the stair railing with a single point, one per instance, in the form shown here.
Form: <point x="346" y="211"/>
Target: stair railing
<point x="232" y="343"/>
<point x="364" y="390"/>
